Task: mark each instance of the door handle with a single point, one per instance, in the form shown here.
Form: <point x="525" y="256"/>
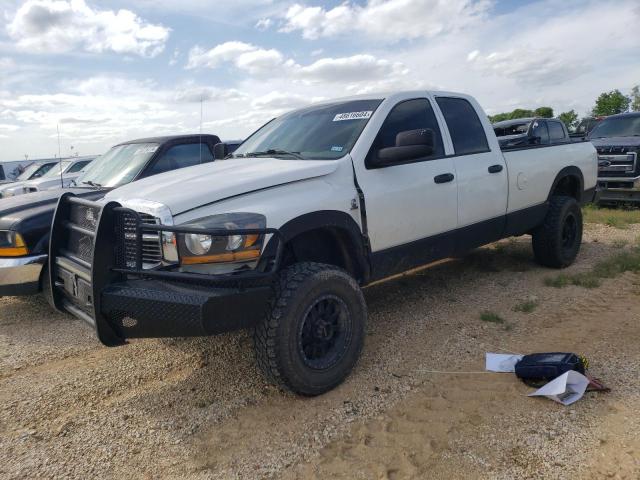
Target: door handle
<point x="495" y="168"/>
<point x="444" y="178"/>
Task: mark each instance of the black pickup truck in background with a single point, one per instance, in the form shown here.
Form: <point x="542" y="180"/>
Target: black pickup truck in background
<point x="521" y="132"/>
<point x="617" y="141"/>
<point x="585" y="127"/>
<point x="25" y="220"/>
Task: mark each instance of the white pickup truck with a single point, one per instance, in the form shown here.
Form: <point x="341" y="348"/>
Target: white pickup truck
<point x="283" y="234"/>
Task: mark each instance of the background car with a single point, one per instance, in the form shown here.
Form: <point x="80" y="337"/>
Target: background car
<point x="59" y="176"/>
<point x="522" y="132"/>
<point x="31" y="172"/>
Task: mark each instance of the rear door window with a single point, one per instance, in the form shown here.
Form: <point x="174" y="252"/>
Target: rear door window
<point x="539" y="129"/>
<point x="556" y="132"/>
<point x="465" y="127"/>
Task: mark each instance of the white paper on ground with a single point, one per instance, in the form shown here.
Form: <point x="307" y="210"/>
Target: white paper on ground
<point x="566" y="389"/>
<point x="501" y="362"/>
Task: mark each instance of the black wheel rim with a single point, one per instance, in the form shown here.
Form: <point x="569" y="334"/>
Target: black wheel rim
<point x="325" y="332"/>
<point x="569" y="232"/>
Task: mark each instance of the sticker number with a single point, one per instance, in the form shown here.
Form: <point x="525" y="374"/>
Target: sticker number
<point x="352" y="116"/>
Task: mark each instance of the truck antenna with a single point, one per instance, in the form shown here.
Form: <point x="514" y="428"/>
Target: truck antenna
<point x="59" y="156"/>
<point x="201" y="101"/>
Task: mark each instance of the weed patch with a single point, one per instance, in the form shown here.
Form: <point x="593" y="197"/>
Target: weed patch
<point x="626" y="261"/>
<point x="491" y="317"/>
<point x="526" y="307"/>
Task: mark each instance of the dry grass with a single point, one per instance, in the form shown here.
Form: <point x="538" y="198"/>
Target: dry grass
<point x="624" y="261"/>
<point x="614" y="217"/>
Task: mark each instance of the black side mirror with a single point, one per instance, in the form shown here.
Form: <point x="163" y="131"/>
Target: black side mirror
<point x="534" y="140"/>
<point x="220" y="150"/>
<point x="410" y="145"/>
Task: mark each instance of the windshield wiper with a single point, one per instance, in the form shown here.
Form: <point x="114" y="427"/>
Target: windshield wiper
<point x="275" y="152"/>
<point x="93" y="184"/>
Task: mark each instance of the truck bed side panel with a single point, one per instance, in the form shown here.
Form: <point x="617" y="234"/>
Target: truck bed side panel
<point x="532" y="171"/>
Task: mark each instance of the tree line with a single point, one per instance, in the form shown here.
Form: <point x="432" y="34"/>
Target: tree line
<point x="607" y="103"/>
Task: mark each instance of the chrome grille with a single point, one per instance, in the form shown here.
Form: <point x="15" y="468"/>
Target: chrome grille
<point x="126" y="248"/>
<point x="617" y="165"/>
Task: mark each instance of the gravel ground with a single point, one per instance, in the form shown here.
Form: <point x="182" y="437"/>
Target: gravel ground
<point x="198" y="408"/>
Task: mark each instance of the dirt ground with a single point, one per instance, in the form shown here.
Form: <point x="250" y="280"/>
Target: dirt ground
<point x="419" y="404"/>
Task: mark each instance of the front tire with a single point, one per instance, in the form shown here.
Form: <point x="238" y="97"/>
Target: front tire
<point x="557" y="241"/>
<point x="312" y="337"/>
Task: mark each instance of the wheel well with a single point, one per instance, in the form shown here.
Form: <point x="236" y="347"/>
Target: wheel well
<point x="568" y="186"/>
<point x="330" y="245"/>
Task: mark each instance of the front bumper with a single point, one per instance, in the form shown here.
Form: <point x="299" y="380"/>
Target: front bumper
<point x="21" y="275"/>
<point x="120" y="301"/>
<point x="618" y="190"/>
<point x="150" y="308"/>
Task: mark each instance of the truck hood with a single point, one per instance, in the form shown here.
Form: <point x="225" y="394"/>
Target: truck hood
<point x="192" y="187"/>
<point x="616" y="142"/>
<point x="15" y="210"/>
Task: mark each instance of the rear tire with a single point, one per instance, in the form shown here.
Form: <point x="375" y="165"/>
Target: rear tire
<point x="312" y="336"/>
<point x="557" y="241"/>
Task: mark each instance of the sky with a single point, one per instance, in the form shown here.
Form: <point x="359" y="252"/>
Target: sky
<point x="103" y="72"/>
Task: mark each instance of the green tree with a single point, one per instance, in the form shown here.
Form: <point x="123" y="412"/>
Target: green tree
<point x="544" y="112"/>
<point x="570" y="119"/>
<point x="610" y="103"/>
<point x="498" y="117"/>
<point x="635" y="98"/>
<point x="520" y="113"/>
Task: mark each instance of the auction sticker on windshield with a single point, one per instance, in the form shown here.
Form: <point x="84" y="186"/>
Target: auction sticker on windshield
<point x="352" y="116"/>
<point x="143" y="150"/>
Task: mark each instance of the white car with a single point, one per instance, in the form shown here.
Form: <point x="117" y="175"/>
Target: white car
<point x="315" y="205"/>
<point x="61" y="175"/>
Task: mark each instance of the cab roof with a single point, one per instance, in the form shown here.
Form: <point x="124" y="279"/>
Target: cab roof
<point x="169" y="138"/>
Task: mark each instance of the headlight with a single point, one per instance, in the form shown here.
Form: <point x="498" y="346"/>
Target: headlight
<point x="197" y="244"/>
<point x="197" y="248"/>
<point x="12" y="244"/>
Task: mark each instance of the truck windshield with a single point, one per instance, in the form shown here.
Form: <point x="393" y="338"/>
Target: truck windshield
<point x="627" y="126"/>
<point x="30" y="170"/>
<point x="512" y="129"/>
<point x="55" y="170"/>
<point x="323" y="132"/>
<point x="118" y="166"/>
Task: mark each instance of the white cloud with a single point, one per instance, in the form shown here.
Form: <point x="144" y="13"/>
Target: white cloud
<point x="194" y="94"/>
<point x="225" y="52"/>
<point x="264" y="24"/>
<point x="315" y="22"/>
<point x="280" y="100"/>
<point x="99" y="111"/>
<point x="7" y="127"/>
<point x="272" y="63"/>
<point x="357" y="68"/>
<point x="539" y="67"/>
<point x="54" y="26"/>
<point x="260" y="61"/>
<point x="385" y="20"/>
<point x="7" y="63"/>
<point x="174" y="57"/>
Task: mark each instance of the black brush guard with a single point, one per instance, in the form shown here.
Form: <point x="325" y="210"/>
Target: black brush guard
<point x="121" y="302"/>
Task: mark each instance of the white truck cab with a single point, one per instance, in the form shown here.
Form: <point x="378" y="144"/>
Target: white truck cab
<point x="282" y="235"/>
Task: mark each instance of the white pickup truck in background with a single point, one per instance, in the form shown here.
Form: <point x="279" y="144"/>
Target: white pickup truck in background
<point x="318" y="203"/>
